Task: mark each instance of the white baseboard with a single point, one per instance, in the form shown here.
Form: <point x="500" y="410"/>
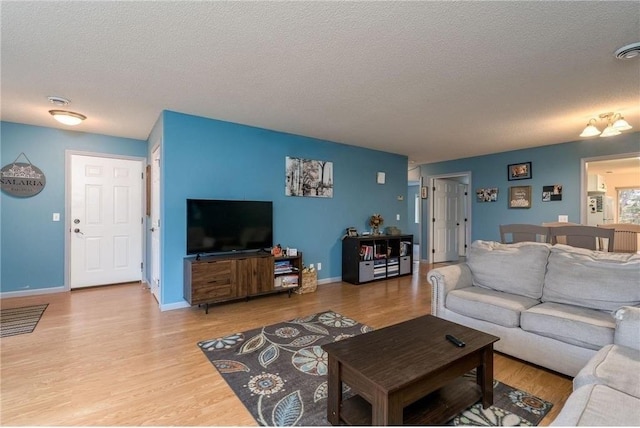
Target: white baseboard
<point x="33" y="292"/>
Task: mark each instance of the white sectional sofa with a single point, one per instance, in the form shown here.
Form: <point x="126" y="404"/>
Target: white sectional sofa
<point x="606" y="392"/>
<point x="552" y="306"/>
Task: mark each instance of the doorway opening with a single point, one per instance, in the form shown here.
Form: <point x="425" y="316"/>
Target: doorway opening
<point x="605" y="182"/>
<point x="448" y="218"/>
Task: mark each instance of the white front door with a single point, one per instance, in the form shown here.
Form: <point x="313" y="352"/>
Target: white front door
<point x="445" y="220"/>
<point x="105" y="221"/>
<point x="155" y="224"/>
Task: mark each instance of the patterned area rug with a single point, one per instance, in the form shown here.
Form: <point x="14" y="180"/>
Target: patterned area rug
<point x="23" y="320"/>
<point x="279" y="372"/>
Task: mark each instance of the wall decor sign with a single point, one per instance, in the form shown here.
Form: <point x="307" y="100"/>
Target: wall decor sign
<point x="22" y="179"/>
<point x="552" y="193"/>
<point x="519" y="171"/>
<point x="489" y="194"/>
<point x="520" y="197"/>
<point x="312" y="178"/>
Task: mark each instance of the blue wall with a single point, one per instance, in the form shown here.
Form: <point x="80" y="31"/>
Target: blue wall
<point x="555" y="164"/>
<point x="206" y="158"/>
<point x="32" y="245"/>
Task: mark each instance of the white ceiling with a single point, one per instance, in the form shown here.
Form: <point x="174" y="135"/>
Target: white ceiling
<point x="430" y="80"/>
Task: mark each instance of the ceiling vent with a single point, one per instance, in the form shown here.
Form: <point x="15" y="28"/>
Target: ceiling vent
<point x="629" y="51"/>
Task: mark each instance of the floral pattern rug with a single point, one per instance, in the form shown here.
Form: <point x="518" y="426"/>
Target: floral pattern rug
<point x="279" y="372"/>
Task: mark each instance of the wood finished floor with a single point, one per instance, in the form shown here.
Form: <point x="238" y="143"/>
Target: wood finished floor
<point x="107" y="355"/>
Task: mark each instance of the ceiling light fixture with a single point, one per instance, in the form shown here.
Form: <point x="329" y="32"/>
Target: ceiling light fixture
<point x="67" y="117"/>
<point x="615" y="124"/>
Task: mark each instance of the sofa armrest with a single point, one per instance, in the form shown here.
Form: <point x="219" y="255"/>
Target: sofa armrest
<point x="445" y="279"/>
<point x="627" y="327"/>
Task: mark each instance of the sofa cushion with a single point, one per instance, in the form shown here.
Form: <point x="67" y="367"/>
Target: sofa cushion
<point x="614" y="366"/>
<point x="513" y="268"/>
<point x="592" y="279"/>
<point x="627" y="327"/>
<point x="488" y="305"/>
<point x="599" y="405"/>
<point x="578" y="326"/>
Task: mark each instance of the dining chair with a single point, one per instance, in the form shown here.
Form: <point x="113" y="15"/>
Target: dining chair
<point x="625" y="236"/>
<point x="523" y="233"/>
<point x="590" y="237"/>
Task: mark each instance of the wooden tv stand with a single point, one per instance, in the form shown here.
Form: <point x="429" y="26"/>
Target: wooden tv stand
<point x="220" y="278"/>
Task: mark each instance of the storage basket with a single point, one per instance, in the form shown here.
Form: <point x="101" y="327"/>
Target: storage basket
<point x="309" y="282"/>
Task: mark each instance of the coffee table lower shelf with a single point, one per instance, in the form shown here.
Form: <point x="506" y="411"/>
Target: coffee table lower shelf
<point x="435" y="409"/>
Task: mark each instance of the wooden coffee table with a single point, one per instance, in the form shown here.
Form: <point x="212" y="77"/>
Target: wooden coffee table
<point x="409" y="374"/>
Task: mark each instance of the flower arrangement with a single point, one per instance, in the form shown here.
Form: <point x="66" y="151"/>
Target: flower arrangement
<point x="375" y="221"/>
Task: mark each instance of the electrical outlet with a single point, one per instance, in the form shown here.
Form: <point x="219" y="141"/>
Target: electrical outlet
<point x="563" y="218"/>
<point x="56" y="216"/>
<point x="319" y="266"/>
<point x="311" y="266"/>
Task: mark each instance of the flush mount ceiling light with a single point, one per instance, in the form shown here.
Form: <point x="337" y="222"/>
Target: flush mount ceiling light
<point x="67" y="117"/>
<point x="615" y="124"/>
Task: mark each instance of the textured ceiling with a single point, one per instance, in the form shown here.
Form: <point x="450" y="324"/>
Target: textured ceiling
<point x="430" y="80"/>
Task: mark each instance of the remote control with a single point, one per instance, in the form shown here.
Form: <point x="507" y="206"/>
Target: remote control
<point x="459" y="343"/>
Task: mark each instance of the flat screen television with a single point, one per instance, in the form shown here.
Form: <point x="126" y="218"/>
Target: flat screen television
<point x="224" y="226"/>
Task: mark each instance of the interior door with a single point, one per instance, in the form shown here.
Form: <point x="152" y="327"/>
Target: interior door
<point x="155" y="224"/>
<point x="461" y="219"/>
<point x="445" y="220"/>
<point x="105" y="221"/>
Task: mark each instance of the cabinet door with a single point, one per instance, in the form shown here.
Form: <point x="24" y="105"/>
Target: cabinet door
<point x="254" y="275"/>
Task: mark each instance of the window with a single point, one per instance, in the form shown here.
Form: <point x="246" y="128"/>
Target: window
<point x="629" y="205"/>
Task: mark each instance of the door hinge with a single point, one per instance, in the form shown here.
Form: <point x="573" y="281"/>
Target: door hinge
<point x="433" y="220"/>
<point x="142" y="175"/>
<point x="433" y="251"/>
<point x="141" y="265"/>
<point x="141" y="220"/>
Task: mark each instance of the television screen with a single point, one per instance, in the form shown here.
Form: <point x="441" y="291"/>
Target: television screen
<point x="221" y="226"/>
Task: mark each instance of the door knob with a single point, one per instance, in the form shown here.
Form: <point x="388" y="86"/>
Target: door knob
<point x="153" y="229"/>
<point x="76" y="221"/>
<point x="76" y="230"/>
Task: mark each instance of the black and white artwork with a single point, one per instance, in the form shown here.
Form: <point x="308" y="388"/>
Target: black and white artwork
<point x="313" y="178"/>
<point x="552" y="193"/>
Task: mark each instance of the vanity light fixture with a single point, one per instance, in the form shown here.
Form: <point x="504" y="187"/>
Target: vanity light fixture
<point x="615" y="125"/>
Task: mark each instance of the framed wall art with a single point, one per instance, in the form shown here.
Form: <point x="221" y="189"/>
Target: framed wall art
<point x="552" y="193"/>
<point x="519" y="171"/>
<point x="310" y="178"/>
<point x="520" y="197"/>
<point x="489" y="194"/>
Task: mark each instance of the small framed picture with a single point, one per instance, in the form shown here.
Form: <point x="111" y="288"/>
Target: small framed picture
<point x="352" y="231"/>
<point x="552" y="193"/>
<point x="489" y="194"/>
<point x="520" y="197"/>
<point x="519" y="171"/>
<point x="424" y="192"/>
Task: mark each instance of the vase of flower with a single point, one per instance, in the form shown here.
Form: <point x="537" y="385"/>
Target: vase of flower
<point x="375" y="221"/>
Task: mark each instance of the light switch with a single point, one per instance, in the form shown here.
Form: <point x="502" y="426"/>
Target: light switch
<point x="397" y="216"/>
<point x="56" y="216"/>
